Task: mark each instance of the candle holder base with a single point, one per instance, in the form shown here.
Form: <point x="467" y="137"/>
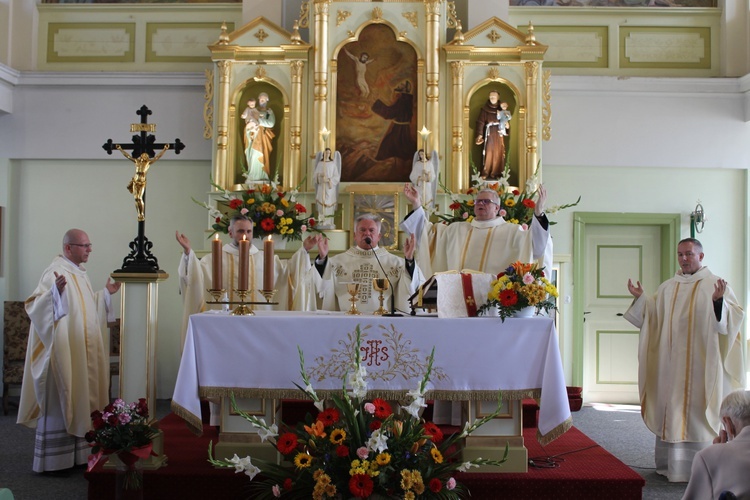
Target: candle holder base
<point x="242" y="309"/>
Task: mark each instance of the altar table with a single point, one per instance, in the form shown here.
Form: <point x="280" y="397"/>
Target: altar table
<point x="475" y="358"/>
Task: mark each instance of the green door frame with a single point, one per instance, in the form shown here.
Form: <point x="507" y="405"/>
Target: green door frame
<point x="670" y="236"/>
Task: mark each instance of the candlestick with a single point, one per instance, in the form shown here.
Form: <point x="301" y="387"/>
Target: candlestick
<point x="324" y="134"/>
<point x="424" y="134"/>
<point x="268" y="264"/>
<point x="216" y="270"/>
<point x="244" y="261"/>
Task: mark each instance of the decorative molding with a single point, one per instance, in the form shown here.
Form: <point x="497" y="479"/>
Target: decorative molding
<point x="493" y="73"/>
<point x="208" y="108"/>
<point x="341" y="16"/>
<point x="261" y="35"/>
<point x="546" y="106"/>
<point x="304" y="15"/>
<point x="412" y="18"/>
<point x="494" y="36"/>
<point x="377" y="14"/>
<point x="260" y="73"/>
<point x="665" y="47"/>
<point x="182" y="42"/>
<point x="84" y="42"/>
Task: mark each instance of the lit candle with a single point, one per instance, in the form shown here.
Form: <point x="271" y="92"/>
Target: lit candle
<point x="244" y="261"/>
<point x="268" y="264"/>
<point x="216" y="259"/>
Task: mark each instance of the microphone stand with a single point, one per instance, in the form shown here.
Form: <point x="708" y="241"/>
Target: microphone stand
<point x="393" y="312"/>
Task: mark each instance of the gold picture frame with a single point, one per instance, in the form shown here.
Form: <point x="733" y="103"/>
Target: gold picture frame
<point x="379" y="200"/>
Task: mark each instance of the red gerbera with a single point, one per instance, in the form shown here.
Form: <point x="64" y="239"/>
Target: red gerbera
<point x="454" y="206"/>
<point x="267" y="224"/>
<point x="329" y="416"/>
<point x="508" y="297"/>
<point x="311" y="222"/>
<point x="434" y="431"/>
<point x="360" y="485"/>
<point x="342" y="451"/>
<point x="375" y="425"/>
<point x="382" y="408"/>
<point x="287" y="443"/>
<point x="288" y="483"/>
<point x="218" y="219"/>
<point x="235" y="204"/>
<point x="516" y="192"/>
<point x="528" y="203"/>
<point x="435" y="485"/>
<point x="300" y="208"/>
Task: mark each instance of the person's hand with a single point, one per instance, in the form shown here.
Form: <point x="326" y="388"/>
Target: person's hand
<point x="411" y="194"/>
<point x="183" y="241"/>
<point x="719" y="288"/>
<point x="60" y="282"/>
<point x="322" y="248"/>
<point x="721" y="438"/>
<point x="479" y="140"/>
<point x="637" y="290"/>
<point x="311" y="241"/>
<point x="409" y="246"/>
<point x="112" y="286"/>
<point x="541" y="201"/>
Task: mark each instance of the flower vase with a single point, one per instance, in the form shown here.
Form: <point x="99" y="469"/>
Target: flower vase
<point x="128" y="477"/>
<point x="526" y="312"/>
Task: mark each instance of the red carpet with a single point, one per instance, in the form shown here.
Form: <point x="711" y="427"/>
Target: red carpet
<point x="590" y="473"/>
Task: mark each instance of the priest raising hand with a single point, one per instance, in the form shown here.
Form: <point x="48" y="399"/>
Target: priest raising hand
<point x="66" y="376"/>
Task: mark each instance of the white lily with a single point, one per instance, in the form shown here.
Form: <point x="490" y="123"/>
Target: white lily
<point x="244" y="465"/>
<point x="378" y="441"/>
<point x="464" y="467"/>
<point x="268" y="432"/>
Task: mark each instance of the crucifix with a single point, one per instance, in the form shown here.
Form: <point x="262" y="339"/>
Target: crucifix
<point x="144" y="146"/>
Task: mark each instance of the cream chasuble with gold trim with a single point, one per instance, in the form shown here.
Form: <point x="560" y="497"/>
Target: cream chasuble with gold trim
<point x="688" y="361"/>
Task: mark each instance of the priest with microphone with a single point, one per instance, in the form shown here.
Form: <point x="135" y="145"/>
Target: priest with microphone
<point x="363" y="262"/>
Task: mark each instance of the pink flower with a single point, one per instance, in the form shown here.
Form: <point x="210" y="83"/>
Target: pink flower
<point x="524" y="226"/>
<point x="450" y="484"/>
<point x="303" y="228"/>
<point x="124" y="418"/>
<point x="370" y="408"/>
<point x="276" y="490"/>
<point x="362" y="452"/>
<point x="465" y="215"/>
<point x="528" y="279"/>
<point x="244" y="211"/>
<point x="502" y="212"/>
<point x="279" y="213"/>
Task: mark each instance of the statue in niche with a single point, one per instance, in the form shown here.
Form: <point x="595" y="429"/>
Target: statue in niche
<point x="258" y="135"/>
<point x="327" y="176"/>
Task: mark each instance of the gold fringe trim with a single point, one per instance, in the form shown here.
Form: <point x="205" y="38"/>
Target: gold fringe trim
<point x="244" y="392"/>
<point x="554" y="433"/>
<point x="195" y="424"/>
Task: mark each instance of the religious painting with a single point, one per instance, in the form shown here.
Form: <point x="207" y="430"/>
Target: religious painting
<point x="382" y="202"/>
<point x="376" y="107"/>
<point x="494" y="134"/>
<point x="259" y="115"/>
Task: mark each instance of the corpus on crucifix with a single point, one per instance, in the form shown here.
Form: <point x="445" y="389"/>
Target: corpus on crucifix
<point x="144" y="148"/>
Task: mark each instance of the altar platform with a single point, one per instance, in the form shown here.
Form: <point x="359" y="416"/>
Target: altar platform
<point x="585" y="470"/>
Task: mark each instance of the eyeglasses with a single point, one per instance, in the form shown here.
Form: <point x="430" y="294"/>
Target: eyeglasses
<point x="84" y="245"/>
<point x="484" y="201"/>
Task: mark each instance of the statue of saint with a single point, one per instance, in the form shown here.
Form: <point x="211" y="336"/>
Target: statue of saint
<point x="423" y="175"/>
<point x="137" y="184"/>
<point x="327" y="176"/>
<point x="258" y="136"/>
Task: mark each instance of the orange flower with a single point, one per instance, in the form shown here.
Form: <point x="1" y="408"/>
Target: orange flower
<point x="317" y="429"/>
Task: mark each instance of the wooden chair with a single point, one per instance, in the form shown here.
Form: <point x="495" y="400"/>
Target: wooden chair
<point x="15" y="338"/>
<point x="114" y="352"/>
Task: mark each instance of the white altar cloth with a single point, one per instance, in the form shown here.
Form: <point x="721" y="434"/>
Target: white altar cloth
<point x="475" y="358"/>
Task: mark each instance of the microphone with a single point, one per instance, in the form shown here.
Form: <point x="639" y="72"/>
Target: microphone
<point x="393" y="312"/>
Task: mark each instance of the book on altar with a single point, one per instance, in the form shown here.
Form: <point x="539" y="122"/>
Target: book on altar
<point x="453" y="294"/>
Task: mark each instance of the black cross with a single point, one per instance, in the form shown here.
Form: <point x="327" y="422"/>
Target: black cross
<point x="140" y="259"/>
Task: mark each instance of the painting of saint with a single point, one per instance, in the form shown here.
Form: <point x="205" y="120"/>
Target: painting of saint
<point x="376" y="107"/>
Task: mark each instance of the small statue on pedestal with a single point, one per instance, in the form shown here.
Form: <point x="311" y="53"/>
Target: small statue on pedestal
<point x="327" y="176"/>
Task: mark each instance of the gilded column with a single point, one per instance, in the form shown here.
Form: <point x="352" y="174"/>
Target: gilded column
<point x="532" y="118"/>
<point x="221" y="171"/>
<point x="320" y="71"/>
<point x="432" y="71"/>
<point x="293" y="177"/>
<point x="459" y="175"/>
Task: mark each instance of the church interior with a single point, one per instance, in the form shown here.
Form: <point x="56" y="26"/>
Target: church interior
<point x="639" y="110"/>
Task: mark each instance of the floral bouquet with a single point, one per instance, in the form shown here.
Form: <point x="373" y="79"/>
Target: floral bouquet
<point x="520" y="286"/>
<point x="272" y="210"/>
<point x="360" y="448"/>
<point x="124" y="429"/>
<point x="516" y="207"/>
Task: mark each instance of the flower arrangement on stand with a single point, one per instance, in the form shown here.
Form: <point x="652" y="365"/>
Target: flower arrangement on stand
<point x="516" y="207"/>
<point x="520" y="286"/>
<point x="273" y="210"/>
<point x="360" y="448"/>
<point x="123" y="429"/>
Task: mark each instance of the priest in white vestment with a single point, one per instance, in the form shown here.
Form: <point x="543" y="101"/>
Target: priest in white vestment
<point x="66" y="375"/>
<point x="690" y="358"/>
<point x="360" y="265"/>
<point x="292" y="278"/>
<point x="487" y="243"/>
